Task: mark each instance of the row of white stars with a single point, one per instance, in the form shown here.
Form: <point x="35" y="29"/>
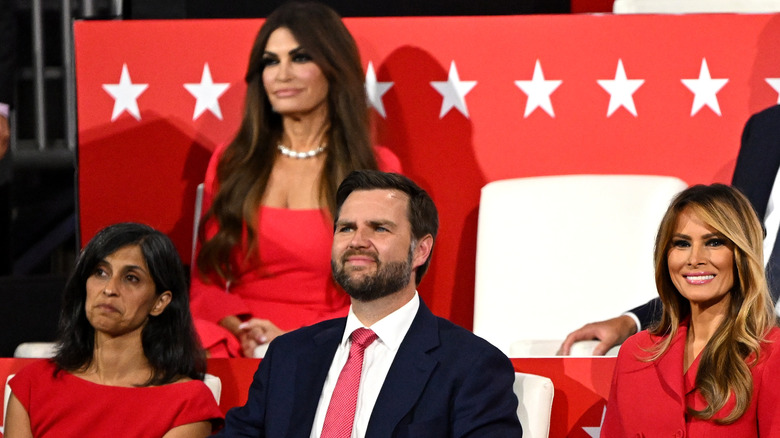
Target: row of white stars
<point x="453" y="91"/>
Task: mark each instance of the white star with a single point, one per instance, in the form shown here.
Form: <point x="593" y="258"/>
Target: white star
<point x="621" y="90"/>
<point x="454" y="92"/>
<point x="704" y="89"/>
<point x="594" y="432"/>
<point x="376" y="90"/>
<point x="207" y="94"/>
<point x="538" y="91"/>
<point x="125" y="94"/>
<point x="774" y="83"/>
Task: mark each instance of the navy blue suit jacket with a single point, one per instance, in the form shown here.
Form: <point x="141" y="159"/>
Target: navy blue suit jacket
<point x="758" y="161"/>
<point x="444" y="382"/>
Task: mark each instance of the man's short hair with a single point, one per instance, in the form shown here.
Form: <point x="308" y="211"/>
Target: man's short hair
<point x="421" y="211"/>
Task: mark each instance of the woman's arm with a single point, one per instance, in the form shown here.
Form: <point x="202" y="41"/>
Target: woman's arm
<point x="17" y="422"/>
<point x="192" y="430"/>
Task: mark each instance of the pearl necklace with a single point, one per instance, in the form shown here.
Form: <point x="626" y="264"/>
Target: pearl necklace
<point x="300" y="155"/>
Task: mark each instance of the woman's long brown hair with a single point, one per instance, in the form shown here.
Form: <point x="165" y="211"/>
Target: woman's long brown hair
<point x="244" y="168"/>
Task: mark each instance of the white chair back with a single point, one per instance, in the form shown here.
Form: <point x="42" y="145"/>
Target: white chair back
<point x="215" y="385"/>
<point x="549" y="347"/>
<point x="37" y="350"/>
<point x="535" y="398"/>
<point x="196" y="220"/>
<point x="694" y="6"/>
<point x="556" y="252"/>
<point x="6" y="398"/>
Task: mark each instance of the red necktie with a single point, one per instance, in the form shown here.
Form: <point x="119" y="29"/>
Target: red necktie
<point x="341" y="411"/>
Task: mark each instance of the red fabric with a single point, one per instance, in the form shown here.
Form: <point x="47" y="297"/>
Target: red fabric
<point x="67" y="405"/>
<point x="341" y="411"/>
<point x="648" y="399"/>
<point x="292" y="287"/>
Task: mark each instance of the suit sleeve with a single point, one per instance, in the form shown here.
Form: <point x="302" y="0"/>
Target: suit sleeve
<point x="485" y="405"/>
<point x="758" y="159"/>
<point x="249" y="420"/>
<point x="648" y="313"/>
<point x="757" y="167"/>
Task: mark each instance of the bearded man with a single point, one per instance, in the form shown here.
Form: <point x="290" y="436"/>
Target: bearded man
<point x="390" y="368"/>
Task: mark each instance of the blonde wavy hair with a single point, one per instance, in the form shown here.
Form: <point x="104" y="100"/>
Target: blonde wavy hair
<point x="734" y="348"/>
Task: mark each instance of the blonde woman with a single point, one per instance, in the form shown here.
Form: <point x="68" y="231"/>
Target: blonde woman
<point x="709" y="368"/>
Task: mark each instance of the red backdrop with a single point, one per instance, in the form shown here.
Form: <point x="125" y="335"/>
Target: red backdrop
<point x="145" y="168"/>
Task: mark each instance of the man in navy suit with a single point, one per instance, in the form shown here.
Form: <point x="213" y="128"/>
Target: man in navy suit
<point x="422" y="377"/>
<point x="755" y="175"/>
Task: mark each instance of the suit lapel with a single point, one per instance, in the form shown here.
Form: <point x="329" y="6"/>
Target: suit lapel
<point x="311" y="370"/>
<point x="411" y="369"/>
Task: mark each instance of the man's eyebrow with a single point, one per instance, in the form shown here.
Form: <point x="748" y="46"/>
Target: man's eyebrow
<point x="381" y="222"/>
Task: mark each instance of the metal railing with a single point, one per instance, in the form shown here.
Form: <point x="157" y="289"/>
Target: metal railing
<point x="41" y="151"/>
<point x="38" y="149"/>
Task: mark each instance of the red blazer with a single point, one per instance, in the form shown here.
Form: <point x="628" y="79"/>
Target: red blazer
<point x="648" y="399"/>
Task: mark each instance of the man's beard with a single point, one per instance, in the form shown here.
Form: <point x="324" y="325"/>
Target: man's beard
<point x="390" y="277"/>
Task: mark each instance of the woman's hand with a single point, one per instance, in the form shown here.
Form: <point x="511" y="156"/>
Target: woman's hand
<point x="256" y="332"/>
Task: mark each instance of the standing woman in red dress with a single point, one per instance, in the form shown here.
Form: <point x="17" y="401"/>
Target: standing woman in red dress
<point x="710" y="367"/>
<point x="263" y="260"/>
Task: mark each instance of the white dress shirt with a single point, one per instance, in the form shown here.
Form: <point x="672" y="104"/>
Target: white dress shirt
<point x="377" y="359"/>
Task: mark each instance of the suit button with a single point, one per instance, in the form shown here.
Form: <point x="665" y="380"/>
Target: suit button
<point x="679" y="434"/>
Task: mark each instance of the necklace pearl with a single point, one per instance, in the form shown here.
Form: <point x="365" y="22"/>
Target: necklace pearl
<point x="287" y="152"/>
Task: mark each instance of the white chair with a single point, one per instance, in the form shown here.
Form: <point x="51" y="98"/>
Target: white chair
<point x="694" y="6"/>
<point x="215" y="385"/>
<point x="556" y="252"/>
<point x="534" y="397"/>
<point x="548" y="347"/>
<point x="196" y="220"/>
<point x="6" y="398"/>
<point x="35" y="350"/>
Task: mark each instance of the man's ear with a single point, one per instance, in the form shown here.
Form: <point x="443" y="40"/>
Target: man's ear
<point x="161" y="303"/>
<point x="422" y="251"/>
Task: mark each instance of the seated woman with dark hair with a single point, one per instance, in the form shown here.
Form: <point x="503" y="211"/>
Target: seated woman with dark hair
<point x="709" y="368"/>
<point x="128" y="361"/>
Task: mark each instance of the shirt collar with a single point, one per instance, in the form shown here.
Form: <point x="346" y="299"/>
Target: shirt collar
<point x="391" y="329"/>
